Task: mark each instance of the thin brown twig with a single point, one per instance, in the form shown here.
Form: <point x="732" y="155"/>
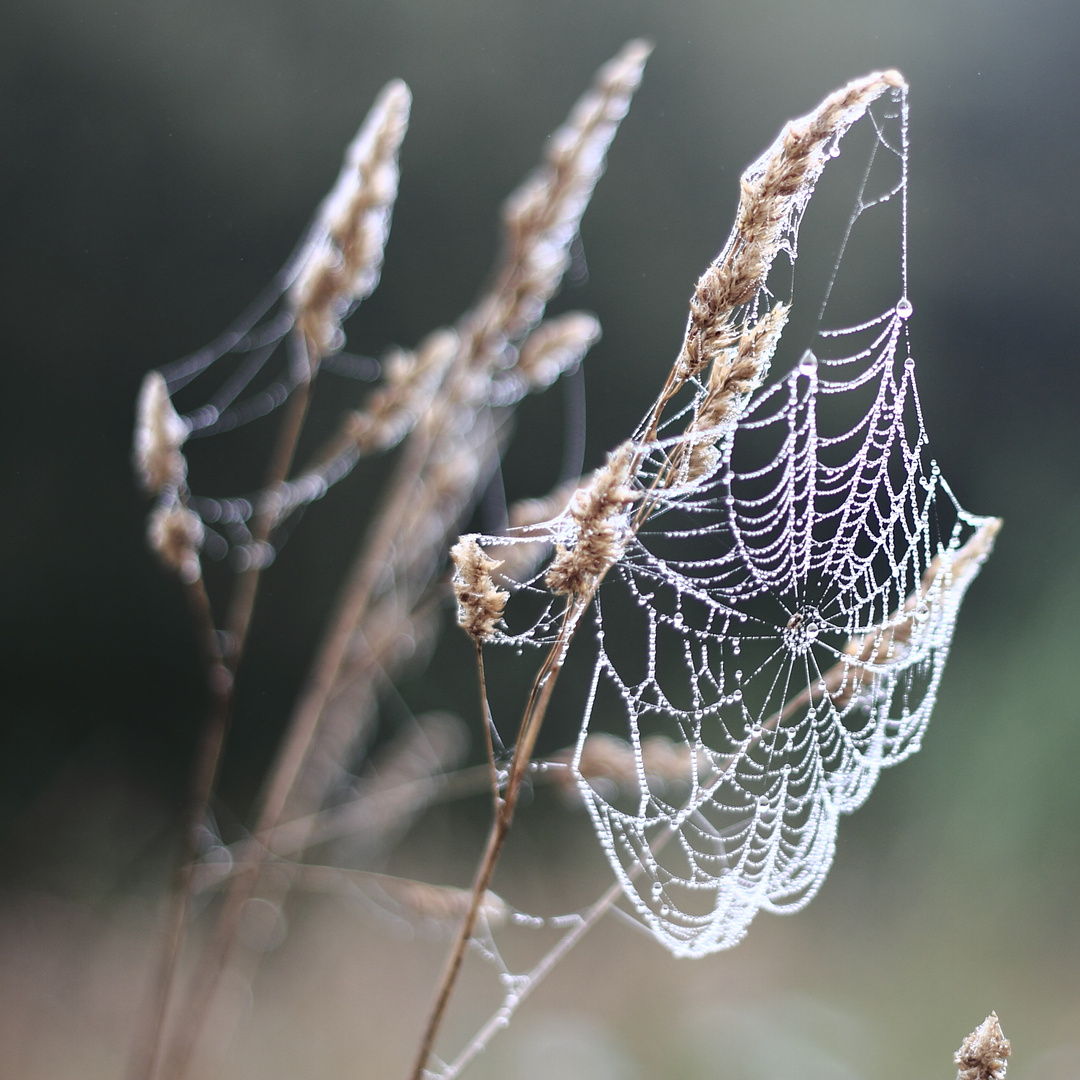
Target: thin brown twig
<point x="242" y="605"/>
<point x="290" y="760"/>
<point x="221" y="666"/>
<point x="535" y="710"/>
<point x="487" y="723"/>
<point x="146" y="1054"/>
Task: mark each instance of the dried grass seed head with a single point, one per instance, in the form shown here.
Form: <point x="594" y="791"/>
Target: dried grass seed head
<point x="597" y="513"/>
<point x="412" y="379"/>
<point x="345" y="258"/>
<point x="773" y="192"/>
<point x="984" y="1054"/>
<point x="555" y="347"/>
<point x="175" y="533"/>
<point x="736" y="372"/>
<point x="480" y="603"/>
<point x="160" y="432"/>
<point x="542" y="217"/>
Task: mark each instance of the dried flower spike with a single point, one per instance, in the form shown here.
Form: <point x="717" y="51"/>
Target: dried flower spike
<point x="735" y="374"/>
<point x="556" y="346"/>
<point x="775" y="190"/>
<point x="159" y="434"/>
<point x="176" y="534"/>
<point x="541" y="217"/>
<point x="984" y="1054"/>
<point x="343" y="265"/>
<point x="598" y="540"/>
<point x="480" y="603"/>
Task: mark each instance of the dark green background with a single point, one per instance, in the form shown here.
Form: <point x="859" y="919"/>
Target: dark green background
<point x="158" y="160"/>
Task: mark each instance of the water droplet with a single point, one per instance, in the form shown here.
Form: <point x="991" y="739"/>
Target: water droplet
<point x="738" y="676"/>
<point x="657" y="890"/>
<point x="729" y="500"/>
<point x="808" y="363"/>
<point x="763" y="802"/>
<point x="909" y="364"/>
<point x="736" y="695"/>
<point x="755" y="731"/>
<point x="904" y="308"/>
<point x="834" y="150"/>
<point x="677" y="620"/>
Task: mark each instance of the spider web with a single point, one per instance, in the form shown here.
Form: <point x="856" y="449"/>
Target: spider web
<point x="786" y="616"/>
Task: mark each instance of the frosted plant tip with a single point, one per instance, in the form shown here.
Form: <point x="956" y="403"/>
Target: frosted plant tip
<point x="984" y="1054"/>
<point x="159" y="433"/>
<point x="599" y="533"/>
<point x="175" y="533"/>
<point x="480" y="603"/>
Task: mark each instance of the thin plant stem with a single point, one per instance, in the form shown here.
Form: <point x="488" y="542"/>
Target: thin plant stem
<point x="535" y="709"/>
<point x="146" y="1057"/>
<point x="499" y="1020"/>
<point x="487" y="724"/>
<point x="356" y="597"/>
<point x="221" y="666"/>
<point x="247" y="586"/>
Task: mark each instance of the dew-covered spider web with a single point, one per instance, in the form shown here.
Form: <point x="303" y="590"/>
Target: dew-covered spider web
<point x="784" y="616"/>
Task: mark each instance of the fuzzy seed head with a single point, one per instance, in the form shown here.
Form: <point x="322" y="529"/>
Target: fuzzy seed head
<point x="597" y="513"/>
<point x="159" y="434"/>
<point x="480" y="603"/>
<point x="175" y="533"/>
<point x="343" y="264"/>
<point x="984" y="1054"/>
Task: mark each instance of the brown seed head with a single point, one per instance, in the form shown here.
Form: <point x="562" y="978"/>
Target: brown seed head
<point x="600" y="536"/>
<point x="176" y="534"/>
<point x="159" y="434"/>
<point x="556" y="346"/>
<point x="480" y="603"/>
<point x="984" y="1054"/>
<point x="542" y="216"/>
<point x="736" y="372"/>
<point x="773" y="192"/>
<point x="343" y="265"/>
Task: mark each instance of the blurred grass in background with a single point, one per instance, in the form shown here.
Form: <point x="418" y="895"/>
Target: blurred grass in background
<point x="159" y="161"/>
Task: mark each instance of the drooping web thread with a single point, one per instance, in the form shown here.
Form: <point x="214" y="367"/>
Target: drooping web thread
<point x="785" y="616"/>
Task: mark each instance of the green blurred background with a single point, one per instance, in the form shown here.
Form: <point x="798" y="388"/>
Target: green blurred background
<point x="157" y="161"/>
